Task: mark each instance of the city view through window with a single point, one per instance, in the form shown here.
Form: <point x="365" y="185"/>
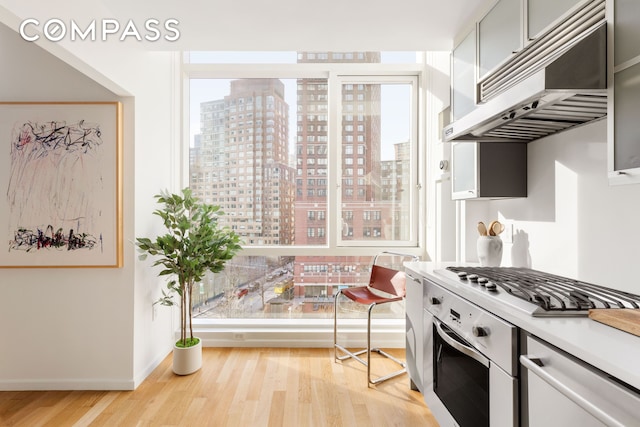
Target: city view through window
<point x="269" y="153"/>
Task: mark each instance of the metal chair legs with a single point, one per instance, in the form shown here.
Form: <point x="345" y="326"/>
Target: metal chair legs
<point x="355" y="354"/>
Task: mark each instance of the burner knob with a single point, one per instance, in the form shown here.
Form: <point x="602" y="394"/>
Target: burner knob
<point x="479" y="331"/>
<point x="435" y="301"/>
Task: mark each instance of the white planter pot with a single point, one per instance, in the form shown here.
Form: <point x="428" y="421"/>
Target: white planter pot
<point x="187" y="360"/>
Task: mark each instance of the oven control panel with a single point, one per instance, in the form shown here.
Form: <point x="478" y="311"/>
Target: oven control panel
<point x="490" y="334"/>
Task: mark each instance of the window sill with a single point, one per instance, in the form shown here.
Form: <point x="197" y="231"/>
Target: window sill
<point x="303" y="333"/>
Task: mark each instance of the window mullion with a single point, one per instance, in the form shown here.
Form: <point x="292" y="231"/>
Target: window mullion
<point x="334" y="193"/>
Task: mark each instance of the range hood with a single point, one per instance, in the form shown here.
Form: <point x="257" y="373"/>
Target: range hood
<point x="569" y="91"/>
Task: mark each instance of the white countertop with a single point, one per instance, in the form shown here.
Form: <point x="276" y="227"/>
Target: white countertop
<point x="611" y="350"/>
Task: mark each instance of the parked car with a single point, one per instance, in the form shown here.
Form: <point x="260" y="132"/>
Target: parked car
<point x="242" y="292"/>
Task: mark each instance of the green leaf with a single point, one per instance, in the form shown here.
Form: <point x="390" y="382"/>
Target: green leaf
<point x="193" y="244"/>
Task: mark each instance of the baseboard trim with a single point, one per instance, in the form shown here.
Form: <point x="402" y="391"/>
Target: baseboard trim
<point x="77" y="384"/>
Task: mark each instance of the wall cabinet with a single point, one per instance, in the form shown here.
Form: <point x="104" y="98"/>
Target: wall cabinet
<point x="624" y="92"/>
<point x="627" y="30"/>
<point x="499" y="35"/>
<point x="504" y="40"/>
<point x="488" y="170"/>
<point x="626" y="123"/>
<point x="510" y="25"/>
<point x="543" y="13"/>
<point x="463" y="77"/>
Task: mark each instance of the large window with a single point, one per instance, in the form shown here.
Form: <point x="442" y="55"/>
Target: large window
<point x="315" y="164"/>
<point x="384" y="162"/>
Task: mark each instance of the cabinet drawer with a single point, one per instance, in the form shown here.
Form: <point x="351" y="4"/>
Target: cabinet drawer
<point x="561" y="390"/>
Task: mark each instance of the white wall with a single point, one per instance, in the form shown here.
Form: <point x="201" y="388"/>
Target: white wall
<point x="93" y="328"/>
<point x="440" y="218"/>
<point x="59" y="325"/>
<point x="572" y="222"/>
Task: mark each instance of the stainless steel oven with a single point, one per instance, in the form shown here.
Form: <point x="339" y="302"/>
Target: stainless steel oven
<point x="470" y="362"/>
<point x="480" y="370"/>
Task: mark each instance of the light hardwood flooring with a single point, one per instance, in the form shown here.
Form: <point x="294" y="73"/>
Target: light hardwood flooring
<point x="236" y="387"/>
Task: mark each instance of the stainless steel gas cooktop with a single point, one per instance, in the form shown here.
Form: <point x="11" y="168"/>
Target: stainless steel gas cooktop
<point x="539" y="293"/>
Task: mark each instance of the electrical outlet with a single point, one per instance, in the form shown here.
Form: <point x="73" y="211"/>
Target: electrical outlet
<point x="507" y="236"/>
<point x="238" y="336"/>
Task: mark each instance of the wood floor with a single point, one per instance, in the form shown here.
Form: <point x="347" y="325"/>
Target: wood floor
<point x="236" y="387"/>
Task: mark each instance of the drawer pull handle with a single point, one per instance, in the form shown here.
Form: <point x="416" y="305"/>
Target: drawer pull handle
<point x="535" y="366"/>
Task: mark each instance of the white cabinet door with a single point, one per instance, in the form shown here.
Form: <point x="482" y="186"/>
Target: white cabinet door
<point x="626" y="123"/>
<point x="463" y="79"/>
<point x="624" y="126"/>
<point x="499" y="35"/>
<point x="464" y="170"/>
<point x="627" y="30"/>
<point x="543" y="13"/>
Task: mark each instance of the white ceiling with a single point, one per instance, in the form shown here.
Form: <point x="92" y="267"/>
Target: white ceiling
<point x="337" y="25"/>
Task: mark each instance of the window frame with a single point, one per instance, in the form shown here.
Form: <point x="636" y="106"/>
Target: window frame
<point x="347" y="83"/>
<point x="334" y="73"/>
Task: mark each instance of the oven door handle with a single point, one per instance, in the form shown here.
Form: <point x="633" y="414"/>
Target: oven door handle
<point x="464" y="349"/>
<point x="532" y="364"/>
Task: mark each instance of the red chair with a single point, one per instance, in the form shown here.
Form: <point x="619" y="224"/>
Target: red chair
<point x="386" y="285"/>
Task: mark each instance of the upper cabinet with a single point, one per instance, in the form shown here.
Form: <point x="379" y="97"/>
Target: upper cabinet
<point x="488" y="170"/>
<point x="499" y="35"/>
<point x="514" y="35"/>
<point x="624" y="92"/>
<point x="463" y="81"/>
<point x="511" y="25"/>
<point x="540" y="14"/>
<point x="529" y="68"/>
<point x="627" y="30"/>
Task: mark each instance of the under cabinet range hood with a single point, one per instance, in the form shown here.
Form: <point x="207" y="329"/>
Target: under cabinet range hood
<point x="569" y="91"/>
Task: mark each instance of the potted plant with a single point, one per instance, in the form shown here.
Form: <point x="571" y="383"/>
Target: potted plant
<point x="193" y="244"/>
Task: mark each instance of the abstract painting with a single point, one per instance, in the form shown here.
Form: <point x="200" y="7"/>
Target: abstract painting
<point x="61" y="178"/>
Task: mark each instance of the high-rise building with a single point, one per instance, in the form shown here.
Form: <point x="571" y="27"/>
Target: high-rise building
<point x="316" y="277"/>
<point x="242" y="161"/>
<point x="395" y="176"/>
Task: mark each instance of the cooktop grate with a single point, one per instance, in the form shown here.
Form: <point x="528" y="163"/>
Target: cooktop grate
<point x="551" y="292"/>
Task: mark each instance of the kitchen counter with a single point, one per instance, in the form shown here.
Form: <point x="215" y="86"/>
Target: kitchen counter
<point x="613" y="351"/>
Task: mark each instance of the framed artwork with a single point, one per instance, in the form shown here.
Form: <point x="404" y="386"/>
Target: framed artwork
<point x="61" y="181"/>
